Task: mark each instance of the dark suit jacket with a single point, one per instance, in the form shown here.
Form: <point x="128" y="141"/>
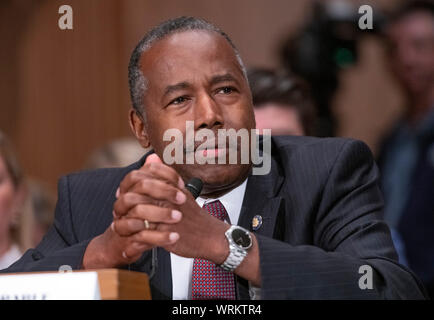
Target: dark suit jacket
<point x="321" y="209"/>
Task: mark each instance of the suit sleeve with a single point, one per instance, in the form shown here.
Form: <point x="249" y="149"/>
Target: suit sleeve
<point x="59" y="246"/>
<point x="349" y="236"/>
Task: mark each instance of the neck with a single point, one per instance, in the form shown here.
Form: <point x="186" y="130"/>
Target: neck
<point x="216" y="193"/>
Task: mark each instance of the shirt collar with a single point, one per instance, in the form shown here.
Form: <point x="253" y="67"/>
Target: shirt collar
<point x="232" y="201"/>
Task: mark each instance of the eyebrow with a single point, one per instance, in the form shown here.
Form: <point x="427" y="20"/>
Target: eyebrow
<point x="184" y="85"/>
<point x="223" y="78"/>
<point x="176" y="87"/>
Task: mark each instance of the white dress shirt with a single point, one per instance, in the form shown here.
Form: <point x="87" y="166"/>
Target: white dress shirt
<point x="182" y="267"/>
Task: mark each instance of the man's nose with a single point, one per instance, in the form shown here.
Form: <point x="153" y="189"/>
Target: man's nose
<point x="208" y="113"/>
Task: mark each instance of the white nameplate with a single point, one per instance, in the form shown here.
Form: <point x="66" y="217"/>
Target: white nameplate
<point x="50" y="286"/>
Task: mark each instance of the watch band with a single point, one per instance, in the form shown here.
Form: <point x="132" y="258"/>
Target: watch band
<point x="236" y="253"/>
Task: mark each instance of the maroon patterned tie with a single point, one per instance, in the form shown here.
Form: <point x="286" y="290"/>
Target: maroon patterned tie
<point x="208" y="280"/>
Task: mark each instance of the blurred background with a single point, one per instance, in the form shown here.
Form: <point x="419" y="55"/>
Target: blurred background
<point x="65" y="97"/>
<point x="65" y="92"/>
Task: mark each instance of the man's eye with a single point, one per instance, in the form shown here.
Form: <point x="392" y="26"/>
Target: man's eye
<point x="178" y="100"/>
<point x="226" y="90"/>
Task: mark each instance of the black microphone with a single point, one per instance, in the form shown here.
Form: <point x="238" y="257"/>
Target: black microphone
<point x="194" y="185"/>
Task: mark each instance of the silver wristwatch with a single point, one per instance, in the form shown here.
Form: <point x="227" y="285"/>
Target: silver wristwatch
<point x="240" y="242"/>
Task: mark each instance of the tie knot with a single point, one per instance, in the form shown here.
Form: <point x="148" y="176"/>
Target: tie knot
<point x="217" y="210"/>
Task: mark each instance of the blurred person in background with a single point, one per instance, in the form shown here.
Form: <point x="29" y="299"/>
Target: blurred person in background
<point x="37" y="213"/>
<point x="325" y="45"/>
<point x="407" y="156"/>
<point x="26" y="208"/>
<point x="281" y="103"/>
<point x="11" y="196"/>
<point x="118" y="153"/>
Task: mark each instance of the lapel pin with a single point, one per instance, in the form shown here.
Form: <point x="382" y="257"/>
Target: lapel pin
<point x="256" y="222"/>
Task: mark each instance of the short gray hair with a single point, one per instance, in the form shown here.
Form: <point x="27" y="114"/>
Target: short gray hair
<point x="137" y="81"/>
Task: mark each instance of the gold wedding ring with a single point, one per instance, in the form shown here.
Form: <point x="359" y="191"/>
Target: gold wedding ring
<point x="146" y="222"/>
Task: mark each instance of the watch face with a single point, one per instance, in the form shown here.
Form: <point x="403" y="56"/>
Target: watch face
<point x="241" y="238"/>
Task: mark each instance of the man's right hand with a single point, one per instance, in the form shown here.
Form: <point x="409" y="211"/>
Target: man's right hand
<point x="153" y="193"/>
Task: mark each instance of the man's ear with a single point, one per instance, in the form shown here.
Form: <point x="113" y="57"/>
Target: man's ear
<point x="137" y="125"/>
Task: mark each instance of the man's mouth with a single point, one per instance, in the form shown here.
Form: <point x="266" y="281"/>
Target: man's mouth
<point x="209" y="150"/>
<point x="212" y="152"/>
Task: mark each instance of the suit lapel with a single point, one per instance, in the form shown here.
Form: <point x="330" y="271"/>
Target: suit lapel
<point x="261" y="199"/>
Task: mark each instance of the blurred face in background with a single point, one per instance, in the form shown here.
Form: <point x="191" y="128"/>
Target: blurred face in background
<point x="8" y="195"/>
<point x="412" y="51"/>
<point x="281" y="119"/>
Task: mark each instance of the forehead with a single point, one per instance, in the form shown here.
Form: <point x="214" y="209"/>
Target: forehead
<point x="187" y="55"/>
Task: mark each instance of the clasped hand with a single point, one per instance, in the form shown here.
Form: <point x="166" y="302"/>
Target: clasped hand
<point x="156" y="194"/>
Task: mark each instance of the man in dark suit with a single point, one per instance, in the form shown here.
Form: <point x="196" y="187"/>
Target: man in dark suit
<point x="309" y="229"/>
